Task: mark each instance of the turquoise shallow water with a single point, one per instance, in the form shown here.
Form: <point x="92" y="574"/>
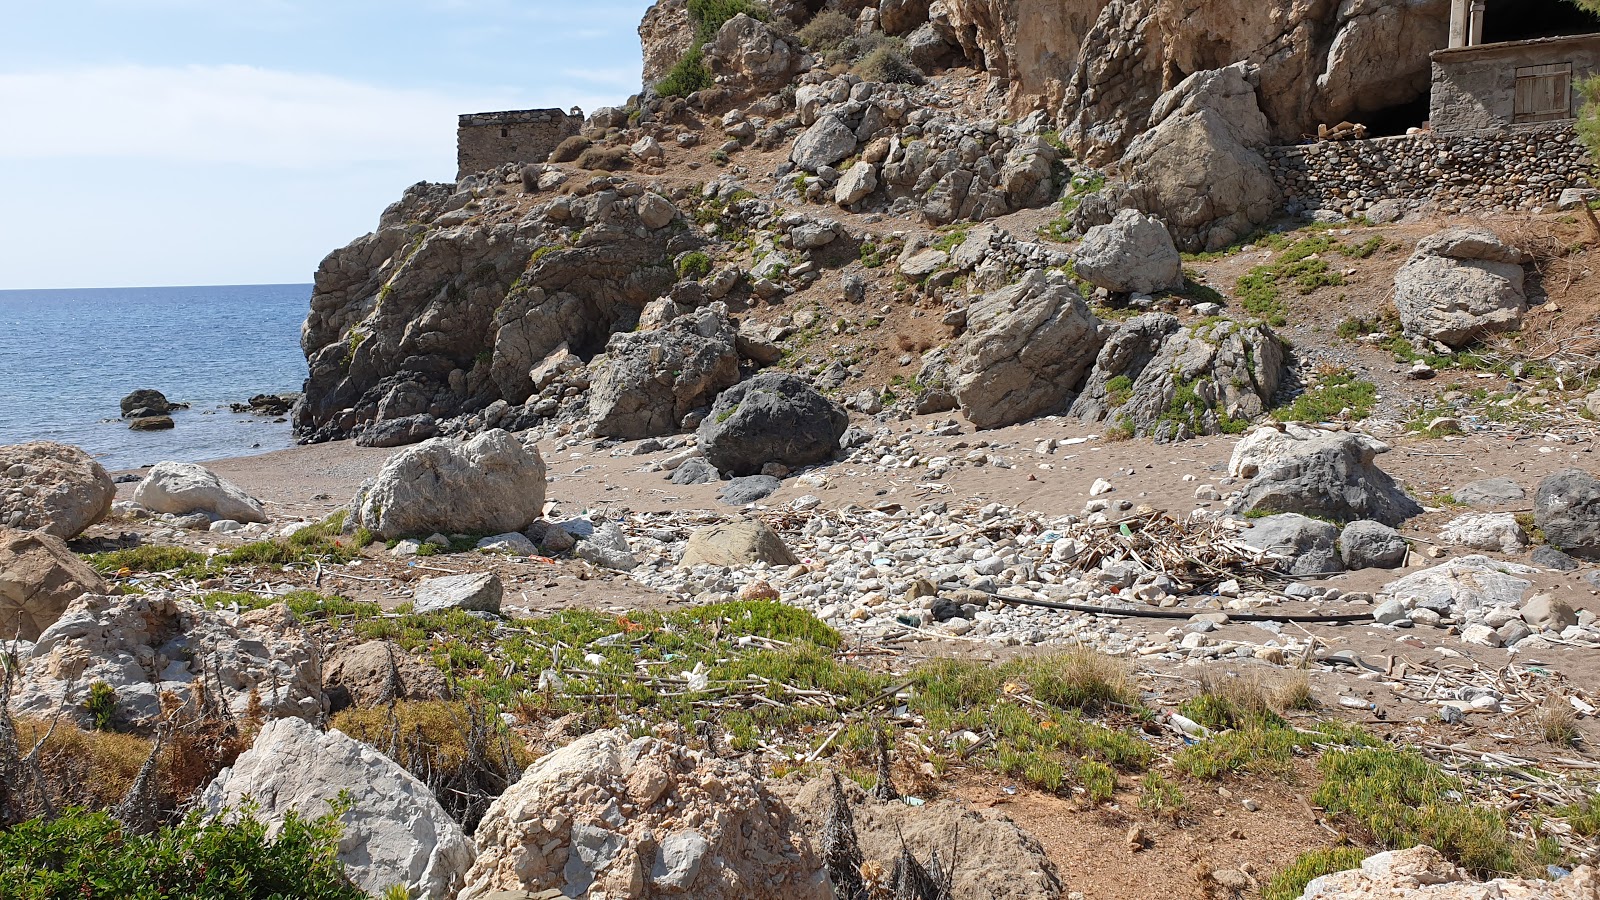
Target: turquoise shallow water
<point x="67" y="357"/>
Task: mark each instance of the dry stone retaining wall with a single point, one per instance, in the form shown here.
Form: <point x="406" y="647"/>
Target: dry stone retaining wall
<point x="1514" y="168"/>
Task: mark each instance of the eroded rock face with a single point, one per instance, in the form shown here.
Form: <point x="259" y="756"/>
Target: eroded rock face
<point x="395" y="832"/>
<point x="375" y="672"/>
<point x="143" y="645"/>
<point x="642" y="819"/>
<point x="771" y="418"/>
<point x="1330" y="475"/>
<point x="39" y="578"/>
<point x="1198" y="168"/>
<point x="489" y="484"/>
<point x="184" y="488"/>
<point x="1462" y="284"/>
<point x="650" y="380"/>
<point x="52" y="487"/>
<point x="1304" y="546"/>
<point x="453" y="305"/>
<point x="1025" y="352"/>
<point x="1159" y="378"/>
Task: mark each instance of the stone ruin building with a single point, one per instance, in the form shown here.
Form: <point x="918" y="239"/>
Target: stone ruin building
<point x="490" y="139"/>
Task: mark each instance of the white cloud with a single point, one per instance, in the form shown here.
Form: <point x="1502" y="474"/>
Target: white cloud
<point x="239" y="114"/>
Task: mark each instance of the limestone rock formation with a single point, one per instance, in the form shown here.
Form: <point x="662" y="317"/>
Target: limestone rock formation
<point x="665" y="34"/>
<point x="1331" y="475"/>
<point x="142" y="645"/>
<point x="455" y="303"/>
<point x="477" y="591"/>
<point x="185" y="488"/>
<point x="39" y="578"/>
<point x="1157" y="377"/>
<point x="395" y="832"/>
<point x="1025" y="351"/>
<point x="1197" y="167"/>
<point x="1422" y="873"/>
<point x="649" y="380"/>
<point x="642" y="819"/>
<point x="736" y="544"/>
<point x="1132" y="253"/>
<point x="489" y="484"/>
<point x="52" y="487"/>
<point x="1464" y="584"/>
<point x="1460" y="285"/>
<point x="771" y="418"/>
<point x="747" y="55"/>
<point x="1486" y="531"/>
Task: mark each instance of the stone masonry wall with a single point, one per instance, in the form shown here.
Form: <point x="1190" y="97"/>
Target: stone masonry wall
<point x="489" y="140"/>
<point x="1513" y="168"/>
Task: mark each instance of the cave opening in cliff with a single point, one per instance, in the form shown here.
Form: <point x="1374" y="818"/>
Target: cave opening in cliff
<point x="1523" y="20"/>
<point x="1393" y="120"/>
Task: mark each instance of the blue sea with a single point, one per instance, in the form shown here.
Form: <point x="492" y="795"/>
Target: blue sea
<point x="67" y="358"/>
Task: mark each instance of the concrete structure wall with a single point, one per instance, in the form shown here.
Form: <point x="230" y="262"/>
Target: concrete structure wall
<point x="1475" y="88"/>
<point x="488" y="140"/>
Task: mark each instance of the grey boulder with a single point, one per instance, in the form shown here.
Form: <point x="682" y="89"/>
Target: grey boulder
<point x="475" y="591"/>
<point x="1132" y="254"/>
<point x="489" y="484"/>
<point x="1304" y="546"/>
<point x="1566" y="507"/>
<point x="825" y="143"/>
<point x="648" y="381"/>
<point x="771" y="418"/>
<point x="1371" y="545"/>
<point x="184" y="488"/>
<point x="1461" y="285"/>
<point x="748" y="489"/>
<point x="1329" y="474"/>
<point x="1026" y="349"/>
<point x="395" y="832"/>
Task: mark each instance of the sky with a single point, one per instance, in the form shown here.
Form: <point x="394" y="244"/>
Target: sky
<point x="190" y="142"/>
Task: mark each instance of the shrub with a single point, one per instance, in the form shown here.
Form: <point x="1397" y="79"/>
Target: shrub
<point x="1291" y="882"/>
<point x="89" y="854"/>
<point x="710" y="15"/>
<point x="888" y="63"/>
<point x="688" y="76"/>
<point x="827" y="30"/>
<point x="568" y="150"/>
<point x="148" y="558"/>
<point x="101" y="705"/>
<point x="694" y="264"/>
<point x="607" y="159"/>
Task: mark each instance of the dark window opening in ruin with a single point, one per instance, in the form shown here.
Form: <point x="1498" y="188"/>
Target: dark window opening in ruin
<point x="505" y="132"/>
<point x="1393" y="120"/>
<point x="1524" y="20"/>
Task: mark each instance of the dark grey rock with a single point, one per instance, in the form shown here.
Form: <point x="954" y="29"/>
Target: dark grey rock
<point x="771" y="418"/>
<point x="1327" y="474"/>
<point x="1371" y="545"/>
<point x="696" y="470"/>
<point x="1488" y="493"/>
<point x="152" y="402"/>
<point x="748" y="489"/>
<point x="1567" y="509"/>
<point x="1548" y="557"/>
<point x="399" y="432"/>
<point x="1309" y="546"/>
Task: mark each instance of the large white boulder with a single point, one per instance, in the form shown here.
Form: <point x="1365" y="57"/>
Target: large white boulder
<point x="642" y="819"/>
<point x="395" y="831"/>
<point x="1423" y="873"/>
<point x="52" y="487"/>
<point x="489" y="484"/>
<point x="183" y="488"/>
<point x="146" y="644"/>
